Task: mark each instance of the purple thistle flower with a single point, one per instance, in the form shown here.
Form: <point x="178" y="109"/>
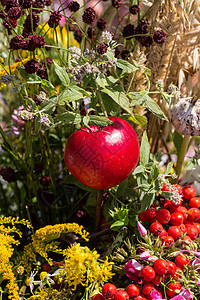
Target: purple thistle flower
<point x="17" y="42"/>
<point x="159" y="37"/>
<point x="31" y="66"/>
<point x="73" y="6"/>
<point x="89" y="15"/>
<point x="33" y="42"/>
<point x="54" y="19"/>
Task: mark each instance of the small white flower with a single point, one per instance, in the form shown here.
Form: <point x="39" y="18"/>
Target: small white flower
<point x="75" y="52"/>
<point x="106" y="37"/>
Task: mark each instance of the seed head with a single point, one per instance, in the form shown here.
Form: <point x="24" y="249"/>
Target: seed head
<point x="159" y="37"/>
<point x="117" y="3"/>
<point x="134" y="9"/>
<point x="25" y="3"/>
<point x="17" y="42"/>
<point x="128" y="31"/>
<point x="102" y="48"/>
<point x="101" y="24"/>
<point x="54" y="19"/>
<point x="31" y="23"/>
<point x="89" y="15"/>
<point x="73" y="6"/>
<point x="8" y="174"/>
<point x="31" y="66"/>
<point x="14" y="13"/>
<point x="33" y="42"/>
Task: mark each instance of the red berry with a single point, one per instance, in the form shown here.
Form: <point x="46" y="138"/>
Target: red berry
<point x="165" y="188"/>
<point x="179" y="188"/>
<point x="188" y="192"/>
<point x="140" y="297"/>
<point x="163" y="233"/>
<point x="176" y="218"/>
<point x="171" y="268"/>
<point x="98" y="297"/>
<point x="109" y="290"/>
<point x="174" y="232"/>
<point x="195" y="202"/>
<point x="193" y="214"/>
<point x="121" y="295"/>
<point x="160" y="266"/>
<point x="156" y="228"/>
<point x="197" y="225"/>
<point x="168" y="240"/>
<point x="147" y="273"/>
<point x="163" y="216"/>
<point x="183" y="228"/>
<point x="142" y="216"/>
<point x="192" y="232"/>
<point x="157" y="279"/>
<point x="150" y="214"/>
<point x="181" y="261"/>
<point x="188" y="223"/>
<point x="183" y="211"/>
<point x="173" y="289"/>
<point x="133" y="290"/>
<point x="147" y="288"/>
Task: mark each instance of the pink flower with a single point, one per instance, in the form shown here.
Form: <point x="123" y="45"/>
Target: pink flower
<point x="133" y="267"/>
<point x="156" y="295"/>
<point x="186" y="294"/>
<point x="142" y="230"/>
<point x="145" y="254"/>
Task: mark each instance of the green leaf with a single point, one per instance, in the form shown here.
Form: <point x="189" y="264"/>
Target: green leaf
<point x="177" y="140"/>
<point x="153" y="107"/>
<point x="126" y="66"/>
<point x="117" y="225"/>
<point x="86" y="120"/>
<point x="169" y="168"/>
<point x="122" y="189"/>
<point x="62" y="74"/>
<point x="142" y="120"/>
<point x="147" y="201"/>
<point x="69" y="117"/>
<point x="121" y="99"/>
<point x="100" y="120"/>
<point x="70" y="94"/>
<point x="154" y="172"/>
<point x="47" y="86"/>
<point x="101" y="80"/>
<point x="49" y="108"/>
<point x="138" y="170"/>
<point x="145" y="187"/>
<point x="37" y="124"/>
<point x="144" y="150"/>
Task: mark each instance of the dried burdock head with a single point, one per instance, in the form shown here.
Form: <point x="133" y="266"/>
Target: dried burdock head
<point x="128" y="31"/>
<point x="185" y="116"/>
<point x="89" y="15"/>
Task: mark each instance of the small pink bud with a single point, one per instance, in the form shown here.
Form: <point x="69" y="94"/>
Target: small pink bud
<point x="142" y="230"/>
<point x="145" y="254"/>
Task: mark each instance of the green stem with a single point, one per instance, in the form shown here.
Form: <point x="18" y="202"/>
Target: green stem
<point x="102" y="104"/>
<point x="183" y="151"/>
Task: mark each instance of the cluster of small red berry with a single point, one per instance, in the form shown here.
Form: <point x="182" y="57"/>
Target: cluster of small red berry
<point x="181" y="221"/>
<point x="110" y="292"/>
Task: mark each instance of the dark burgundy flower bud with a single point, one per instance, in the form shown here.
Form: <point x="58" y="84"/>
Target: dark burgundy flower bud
<point x="102" y="48"/>
<point x="2" y="15"/>
<point x="45" y="180"/>
<point x="48" y="2"/>
<point x="142" y="27"/>
<point x="31" y="66"/>
<point x="14" y="13"/>
<point x="78" y="35"/>
<point x="125" y="54"/>
<point x="146" y="41"/>
<point x="73" y="6"/>
<point x="10" y="4"/>
<point x="38" y="167"/>
<point x="134" y="9"/>
<point x="54" y="19"/>
<point x="3" y="2"/>
<point x="117" y="3"/>
<point x="39" y="4"/>
<point x="17" y="42"/>
<point x="42" y="72"/>
<point x="33" y="42"/>
<point x="91" y="33"/>
<point x="128" y="31"/>
<point x="49" y="61"/>
<point x="101" y="24"/>
<point x="159" y="37"/>
<point x="89" y="15"/>
<point x="31" y="23"/>
<point x="25" y="3"/>
<point x="9" y="25"/>
<point x="8" y="174"/>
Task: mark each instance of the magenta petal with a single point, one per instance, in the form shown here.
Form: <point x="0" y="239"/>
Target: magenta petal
<point x="155" y="295"/>
<point x="134" y="267"/>
<point x="144" y="254"/>
<point x="186" y="294"/>
<point x="178" y="297"/>
<point x="142" y="230"/>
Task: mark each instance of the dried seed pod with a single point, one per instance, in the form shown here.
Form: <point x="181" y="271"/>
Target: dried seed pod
<point x="185" y="116"/>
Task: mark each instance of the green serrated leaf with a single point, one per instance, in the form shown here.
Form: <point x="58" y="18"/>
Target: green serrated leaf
<point x="47" y="86"/>
<point x="62" y="74"/>
<point x="147" y="201"/>
<point x="145" y="187"/>
<point x="144" y="150"/>
<point x="69" y="118"/>
<point x="154" y="172"/>
<point x="177" y="140"/>
<point x="86" y="120"/>
<point x="100" y="120"/>
<point x="101" y="80"/>
<point x="138" y="170"/>
<point x="49" y="108"/>
<point x="142" y="120"/>
<point x="126" y="66"/>
<point x="70" y="94"/>
<point x="153" y="107"/>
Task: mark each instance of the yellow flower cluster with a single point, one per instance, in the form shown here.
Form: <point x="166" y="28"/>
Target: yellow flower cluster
<point x="43" y="241"/>
<point x="82" y="266"/>
<point x="6" y="251"/>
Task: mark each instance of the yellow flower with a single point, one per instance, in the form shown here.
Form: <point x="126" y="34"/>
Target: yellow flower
<point x="43" y="275"/>
<point x="82" y="266"/>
